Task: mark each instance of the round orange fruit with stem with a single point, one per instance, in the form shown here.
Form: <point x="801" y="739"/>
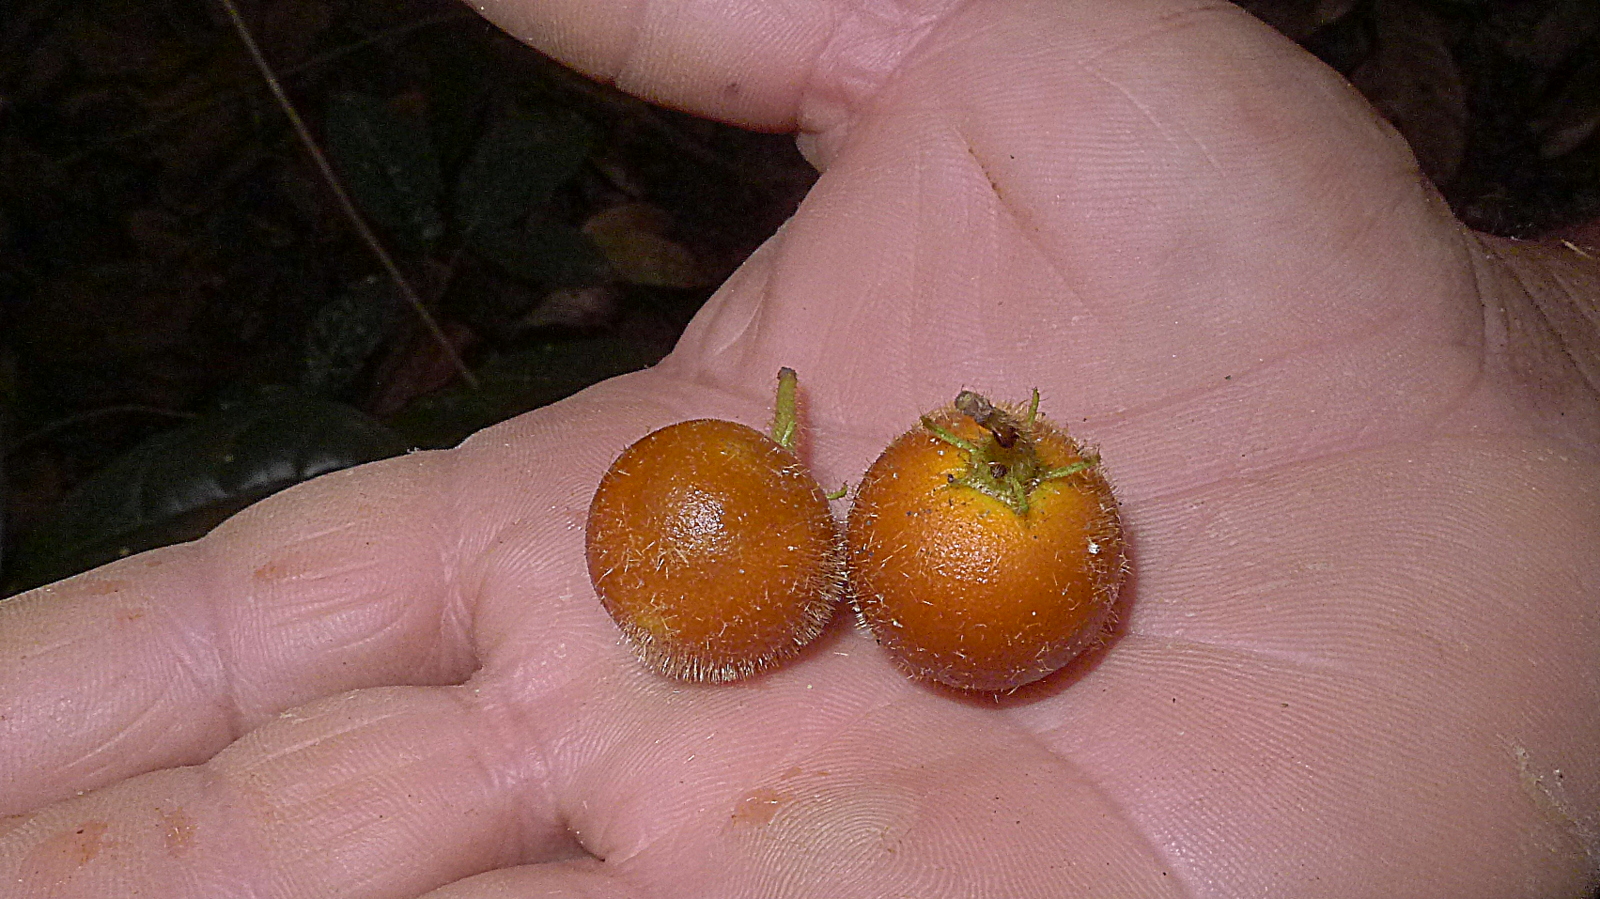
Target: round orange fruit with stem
<point x="985" y="548"/>
<point x="713" y="548"/>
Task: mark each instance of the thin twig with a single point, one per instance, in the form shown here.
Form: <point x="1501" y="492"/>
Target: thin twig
<point x="349" y="206"/>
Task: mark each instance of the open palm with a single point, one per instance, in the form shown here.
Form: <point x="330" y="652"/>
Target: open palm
<point x="1355" y="656"/>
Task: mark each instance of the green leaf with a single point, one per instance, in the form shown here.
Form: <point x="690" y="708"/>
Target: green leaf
<point x="633" y="238"/>
<point x="543" y="251"/>
<point x="523" y="158"/>
<point x="388" y="165"/>
<point x="344" y="335"/>
<point x="513" y="384"/>
<point x="179" y="484"/>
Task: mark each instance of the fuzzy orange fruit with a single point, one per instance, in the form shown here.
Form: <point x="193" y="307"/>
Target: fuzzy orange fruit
<point x="985" y="547"/>
<point x="713" y="549"/>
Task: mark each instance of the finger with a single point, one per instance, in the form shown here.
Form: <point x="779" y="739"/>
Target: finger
<point x="378" y="793"/>
<point x="752" y="62"/>
<point x="580" y="879"/>
<point x="164" y="658"/>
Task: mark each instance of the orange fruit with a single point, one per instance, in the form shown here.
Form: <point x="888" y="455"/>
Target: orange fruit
<point x="713" y="549"/>
<point x="985" y="549"/>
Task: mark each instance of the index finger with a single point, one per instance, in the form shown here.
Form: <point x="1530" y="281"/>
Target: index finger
<point x="164" y="658"/>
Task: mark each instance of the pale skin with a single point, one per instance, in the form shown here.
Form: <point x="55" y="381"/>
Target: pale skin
<point x="1354" y="445"/>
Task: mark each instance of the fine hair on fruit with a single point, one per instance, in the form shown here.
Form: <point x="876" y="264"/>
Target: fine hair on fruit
<point x="713" y="548"/>
<point x="985" y="546"/>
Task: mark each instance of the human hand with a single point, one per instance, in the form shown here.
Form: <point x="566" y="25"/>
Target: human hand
<point x="1354" y="445"/>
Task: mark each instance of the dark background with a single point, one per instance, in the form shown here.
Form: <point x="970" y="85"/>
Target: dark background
<point x="189" y="321"/>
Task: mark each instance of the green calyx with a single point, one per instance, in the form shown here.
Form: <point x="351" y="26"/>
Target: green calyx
<point x="1003" y="463"/>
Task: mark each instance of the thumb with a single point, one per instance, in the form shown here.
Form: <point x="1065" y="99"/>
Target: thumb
<point x="750" y="62"/>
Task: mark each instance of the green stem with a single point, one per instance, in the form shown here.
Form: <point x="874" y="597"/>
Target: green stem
<point x="784" y="419"/>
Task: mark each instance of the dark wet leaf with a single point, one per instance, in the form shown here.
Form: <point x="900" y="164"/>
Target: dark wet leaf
<point x="633" y="237"/>
<point x="345" y="334"/>
<point x="516" y="383"/>
<point x="1414" y="80"/>
<point x="179" y="484"/>
<point x="543" y="251"/>
<point x="1298" y="19"/>
<point x="576" y="308"/>
<point x="1571" y="116"/>
<point x="523" y="157"/>
<point x="419" y="366"/>
<point x="387" y="161"/>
